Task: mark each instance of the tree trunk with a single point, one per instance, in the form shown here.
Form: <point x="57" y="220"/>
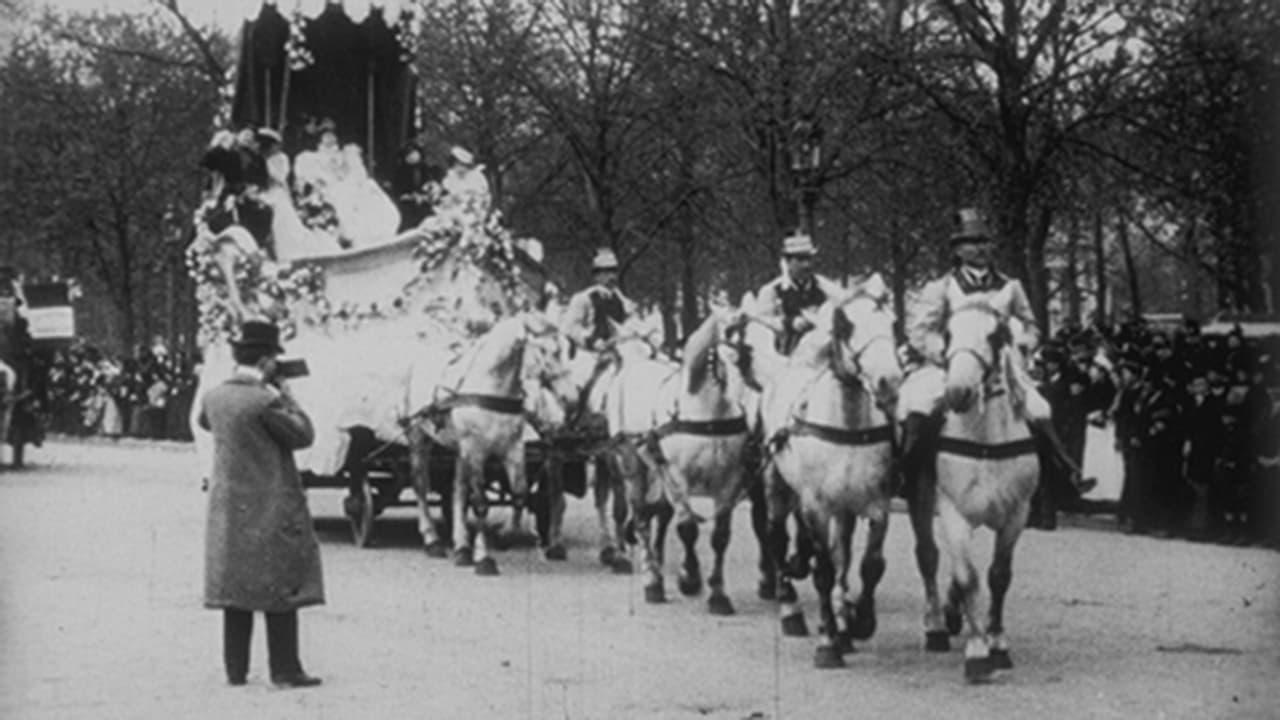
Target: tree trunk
<point x="1101" y="311"/>
<point x="1131" y="270"/>
<point x="1071" y="274"/>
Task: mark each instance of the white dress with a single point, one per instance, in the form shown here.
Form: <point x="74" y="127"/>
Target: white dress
<point x="292" y="239"/>
<point x="366" y="215"/>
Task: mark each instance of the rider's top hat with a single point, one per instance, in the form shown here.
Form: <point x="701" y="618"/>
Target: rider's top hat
<point x="259" y="334"/>
<point x="605" y="259"/>
<point x="970" y="226"/>
<point x="799" y="244"/>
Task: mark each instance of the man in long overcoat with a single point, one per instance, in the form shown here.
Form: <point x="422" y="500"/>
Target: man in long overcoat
<point x="261" y="553"/>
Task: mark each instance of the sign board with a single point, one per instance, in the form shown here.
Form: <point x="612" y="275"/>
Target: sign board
<point x="49" y="312"/>
<point x="57" y="322"/>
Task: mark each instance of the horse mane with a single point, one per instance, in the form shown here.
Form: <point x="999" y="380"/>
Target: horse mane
<point x="699" y="359"/>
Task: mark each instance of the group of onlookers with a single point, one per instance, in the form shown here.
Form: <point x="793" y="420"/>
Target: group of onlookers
<point x="1195" y="426"/>
<point x="84" y="391"/>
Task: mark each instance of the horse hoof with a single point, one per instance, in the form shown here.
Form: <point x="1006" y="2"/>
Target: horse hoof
<point x="608" y="555"/>
<point x="720" y="605"/>
<point x="1000" y="659"/>
<point x="767" y="590"/>
<point x="798" y="567"/>
<point x="556" y="552"/>
<point x="436" y="549"/>
<point x="844" y="643"/>
<point x="827" y="657"/>
<point x="955" y="621"/>
<point x="978" y="670"/>
<point x="487" y="567"/>
<point x="654" y="594"/>
<point x="690" y="586"/>
<point x="794" y="625"/>
<point x="621" y="566"/>
<point x="462" y="557"/>
<point x="787" y="594"/>
<point x="863" y="625"/>
<point x="937" y="641"/>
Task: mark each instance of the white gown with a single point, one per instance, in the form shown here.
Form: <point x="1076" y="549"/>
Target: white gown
<point x="366" y="215"/>
<point x="292" y="239"/>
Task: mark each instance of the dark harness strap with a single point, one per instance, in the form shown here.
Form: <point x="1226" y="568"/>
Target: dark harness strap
<point x="983" y="451"/>
<point x="708" y="428"/>
<point x="843" y="436"/>
<point x="493" y="403"/>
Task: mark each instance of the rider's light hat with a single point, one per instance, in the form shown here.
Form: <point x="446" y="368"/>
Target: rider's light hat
<point x="798" y="244"/>
<point x="605" y="259"/>
<point x="970" y="226"/>
<point x="462" y="155"/>
<point x="268" y="134"/>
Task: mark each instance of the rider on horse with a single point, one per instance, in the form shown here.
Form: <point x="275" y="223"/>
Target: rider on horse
<point x="797" y="289"/>
<point x="588" y="316"/>
<point x="972" y="279"/>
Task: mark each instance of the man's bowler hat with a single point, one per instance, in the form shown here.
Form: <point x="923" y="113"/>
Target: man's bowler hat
<point x="259" y="334"/>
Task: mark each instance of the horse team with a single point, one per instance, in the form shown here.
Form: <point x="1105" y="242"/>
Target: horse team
<point x="809" y="437"/>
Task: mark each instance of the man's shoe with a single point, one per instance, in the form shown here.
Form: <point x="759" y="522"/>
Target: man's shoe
<point x="237" y="681"/>
<point x="297" y="680"/>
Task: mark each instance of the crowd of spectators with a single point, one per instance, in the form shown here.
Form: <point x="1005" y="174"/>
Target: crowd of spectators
<point x="1195" y="426"/>
<point x="85" y="391"/>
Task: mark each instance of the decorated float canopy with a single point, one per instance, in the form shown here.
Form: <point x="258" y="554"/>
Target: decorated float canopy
<point x="295" y="71"/>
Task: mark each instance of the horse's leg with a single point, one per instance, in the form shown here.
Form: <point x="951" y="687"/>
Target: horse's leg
<point x="602" y="470"/>
<point x="921" y="502"/>
<point x="420" y="472"/>
<point x="798" y="563"/>
<point x="650" y="563"/>
<point x="779" y="501"/>
<point x="827" y="654"/>
<point x="717" y="601"/>
<point x="463" y="554"/>
<point x="965" y="586"/>
<point x="768" y="586"/>
<point x="555" y="509"/>
<point x="999" y="577"/>
<point x="621" y="512"/>
<point x="870" y="572"/>
<point x="485" y="563"/>
<point x="518" y="482"/>
<point x="841" y="559"/>
<point x="690" y="581"/>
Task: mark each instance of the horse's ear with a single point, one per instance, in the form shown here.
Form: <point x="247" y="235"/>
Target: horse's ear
<point x="876" y="287"/>
<point x="841" y="326"/>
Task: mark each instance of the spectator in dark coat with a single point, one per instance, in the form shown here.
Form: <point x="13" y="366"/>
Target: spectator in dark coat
<point x="1124" y="412"/>
<point x="261" y="553"/>
<point x="1162" y="435"/>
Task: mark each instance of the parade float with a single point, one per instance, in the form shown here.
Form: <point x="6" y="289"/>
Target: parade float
<point x="378" y="311"/>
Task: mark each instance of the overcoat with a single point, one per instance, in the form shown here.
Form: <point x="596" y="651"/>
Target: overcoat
<point x="261" y="552"/>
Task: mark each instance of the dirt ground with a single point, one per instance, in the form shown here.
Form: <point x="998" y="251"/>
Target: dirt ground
<point x="100" y="617"/>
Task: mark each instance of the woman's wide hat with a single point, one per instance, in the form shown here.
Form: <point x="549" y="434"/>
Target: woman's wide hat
<point x="970" y="226"/>
<point x="259" y="334"/>
<point x="462" y="155"/>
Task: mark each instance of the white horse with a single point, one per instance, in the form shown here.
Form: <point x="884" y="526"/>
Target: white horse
<point x="681" y="431"/>
<point x="827" y="413"/>
<point x="987" y="471"/>
<point x="484" y="415"/>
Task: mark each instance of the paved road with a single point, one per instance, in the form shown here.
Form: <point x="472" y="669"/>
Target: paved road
<point x="100" y="548"/>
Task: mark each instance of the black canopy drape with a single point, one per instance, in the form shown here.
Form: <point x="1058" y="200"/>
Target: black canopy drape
<point x="361" y="78"/>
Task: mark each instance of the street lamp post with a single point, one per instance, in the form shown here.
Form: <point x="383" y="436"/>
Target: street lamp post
<point x="806" y="160"/>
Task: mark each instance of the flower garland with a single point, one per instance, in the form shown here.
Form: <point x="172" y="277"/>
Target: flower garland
<point x="299" y="55"/>
<point x="481" y="240"/>
<point x="407" y="36"/>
